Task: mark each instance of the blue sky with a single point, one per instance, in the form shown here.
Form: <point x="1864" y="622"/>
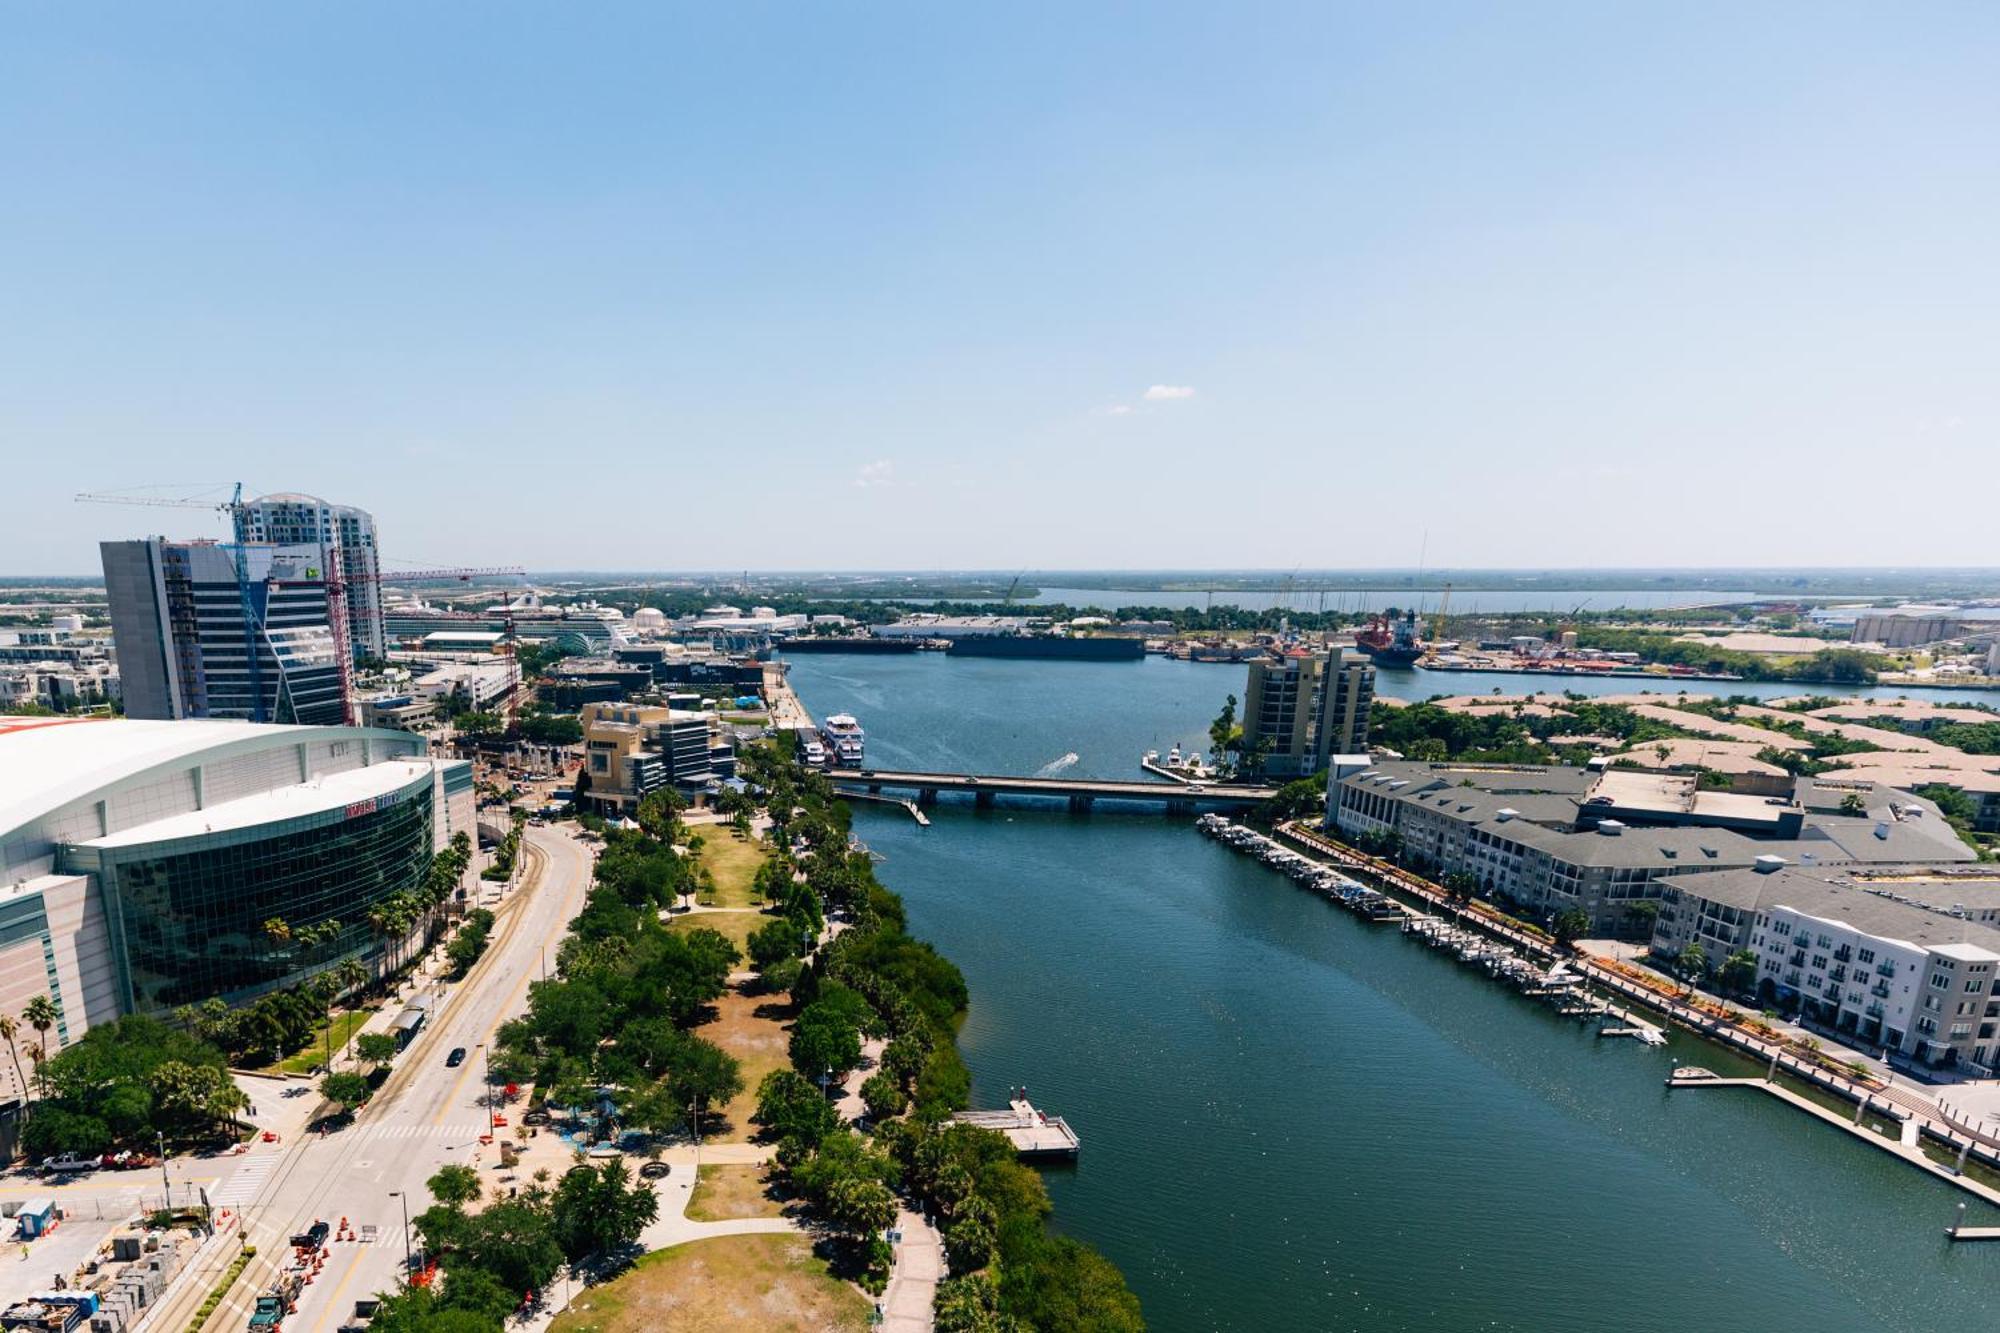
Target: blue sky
<point x="1049" y="286"/>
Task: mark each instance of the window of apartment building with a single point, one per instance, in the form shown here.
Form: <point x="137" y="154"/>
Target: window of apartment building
<point x="1819" y="960"/>
<point x="1814" y="983"/>
<point x="1866" y="956"/>
<point x="1926" y="1026"/>
<point x="1965" y="1006"/>
<point x="1941" y="980"/>
<point x="1961" y="1029"/>
<point x="1974" y="985"/>
<point x="1825" y="943"/>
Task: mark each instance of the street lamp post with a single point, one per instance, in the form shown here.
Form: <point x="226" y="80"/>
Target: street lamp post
<point x="409" y="1258"/>
<point x="166" y="1181"/>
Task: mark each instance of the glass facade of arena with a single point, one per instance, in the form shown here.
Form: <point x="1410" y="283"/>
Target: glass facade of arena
<point x="188" y="916"/>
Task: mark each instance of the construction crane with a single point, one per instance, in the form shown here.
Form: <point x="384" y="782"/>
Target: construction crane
<point x="1013" y="588"/>
<point x="330" y="572"/>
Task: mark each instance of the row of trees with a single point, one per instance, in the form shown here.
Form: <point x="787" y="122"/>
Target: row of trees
<point x="127" y="1082"/>
<point x="612" y="1025"/>
<point x="874" y="980"/>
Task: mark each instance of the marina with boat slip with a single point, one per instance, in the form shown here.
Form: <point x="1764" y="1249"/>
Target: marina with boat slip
<point x="1556" y="983"/>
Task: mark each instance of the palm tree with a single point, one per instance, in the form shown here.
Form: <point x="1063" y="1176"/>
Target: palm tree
<point x="8" y="1027"/>
<point x="278" y="931"/>
<point x="42" y="1014"/>
<point x="1694" y="961"/>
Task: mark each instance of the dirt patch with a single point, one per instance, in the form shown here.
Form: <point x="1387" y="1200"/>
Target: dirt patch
<point x="731" y="1284"/>
<point x="756" y="1029"/>
<point x="722" y="1193"/>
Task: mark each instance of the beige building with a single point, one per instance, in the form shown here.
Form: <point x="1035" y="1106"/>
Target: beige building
<point x="631" y="750"/>
<point x="1302" y="707"/>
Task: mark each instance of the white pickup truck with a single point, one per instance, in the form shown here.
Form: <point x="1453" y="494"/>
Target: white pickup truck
<point x="69" y="1162"/>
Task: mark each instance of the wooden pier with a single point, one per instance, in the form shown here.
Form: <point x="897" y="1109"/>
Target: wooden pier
<point x="1033" y="1133"/>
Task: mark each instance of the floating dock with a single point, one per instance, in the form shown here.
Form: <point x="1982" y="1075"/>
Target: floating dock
<point x="1033" y="1133"/>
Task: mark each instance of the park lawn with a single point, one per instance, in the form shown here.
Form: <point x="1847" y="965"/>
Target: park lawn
<point x="725" y="1192"/>
<point x="734" y="925"/>
<point x="730" y="1284"/>
<point x="314" y="1052"/>
<point x="756" y="1029"/>
<point x="734" y="862"/>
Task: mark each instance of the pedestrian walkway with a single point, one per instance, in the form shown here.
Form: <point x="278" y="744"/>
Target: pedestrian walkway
<point x="914" y="1277"/>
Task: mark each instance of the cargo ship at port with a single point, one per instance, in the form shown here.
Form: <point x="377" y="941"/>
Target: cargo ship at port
<point x="1059" y="646"/>
<point x="847" y="643"/>
<point x="1391" y="639"/>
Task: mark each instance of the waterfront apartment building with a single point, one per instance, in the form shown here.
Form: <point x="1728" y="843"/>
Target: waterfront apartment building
<point x="631" y="750"/>
<point x="1301" y="707"/>
<point x="1548" y="839"/>
<point x="347" y="535"/>
<point x="1899" y="958"/>
<point x="207" y="630"/>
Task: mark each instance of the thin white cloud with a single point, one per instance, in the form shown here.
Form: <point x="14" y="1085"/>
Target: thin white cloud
<point x="1168" y="392"/>
<point x="1116" y="410"/>
<point x="881" y="472"/>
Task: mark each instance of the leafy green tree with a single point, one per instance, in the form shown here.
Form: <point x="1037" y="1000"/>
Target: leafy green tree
<point x="825" y="1041"/>
<point x="1739" y="971"/>
<point x="1222" y="732"/>
<point x="513" y="1240"/>
<point x="860" y="1208"/>
<point x="791" y="1108"/>
<point x="600" y="1210"/>
<point x="971" y="1238"/>
<point x="455" y="1186"/>
<point x="345" y="1089"/>
<point x="1570" y="926"/>
<point x="883" y="1095"/>
<point x="376" y="1048"/>
<point x="971" y="1304"/>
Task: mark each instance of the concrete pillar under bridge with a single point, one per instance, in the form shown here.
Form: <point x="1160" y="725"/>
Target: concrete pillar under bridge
<point x="982" y="800"/>
<point x="1179" y="809"/>
<point x="926" y="796"/>
<point x="1080" y="804"/>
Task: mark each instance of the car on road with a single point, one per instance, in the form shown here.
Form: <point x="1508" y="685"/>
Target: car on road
<point x="972" y="782"/>
<point x="536" y="1117"/>
<point x="312" y="1237"/>
<point x="655" y="1170"/>
<point x="1197" y="786"/>
<point x="65" y="1163"/>
<point x="456" y="1058"/>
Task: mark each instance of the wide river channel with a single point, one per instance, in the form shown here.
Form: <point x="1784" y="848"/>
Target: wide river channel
<point x="1292" y="1120"/>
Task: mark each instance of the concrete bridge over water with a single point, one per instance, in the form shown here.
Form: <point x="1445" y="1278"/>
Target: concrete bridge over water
<point x="1080" y="793"/>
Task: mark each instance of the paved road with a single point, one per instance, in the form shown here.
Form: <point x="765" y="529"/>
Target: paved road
<point x="427" y="1115"/>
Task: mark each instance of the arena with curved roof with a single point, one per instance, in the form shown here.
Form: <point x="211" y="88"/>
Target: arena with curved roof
<point x="139" y="860"/>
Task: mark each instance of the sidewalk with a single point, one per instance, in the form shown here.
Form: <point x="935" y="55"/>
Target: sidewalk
<point x="913" y="1280"/>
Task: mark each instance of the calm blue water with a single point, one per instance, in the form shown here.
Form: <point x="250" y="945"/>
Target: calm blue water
<point x="1295" y="1121"/>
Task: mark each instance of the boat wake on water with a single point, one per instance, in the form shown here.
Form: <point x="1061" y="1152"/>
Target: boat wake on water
<point x="1056" y="766"/>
